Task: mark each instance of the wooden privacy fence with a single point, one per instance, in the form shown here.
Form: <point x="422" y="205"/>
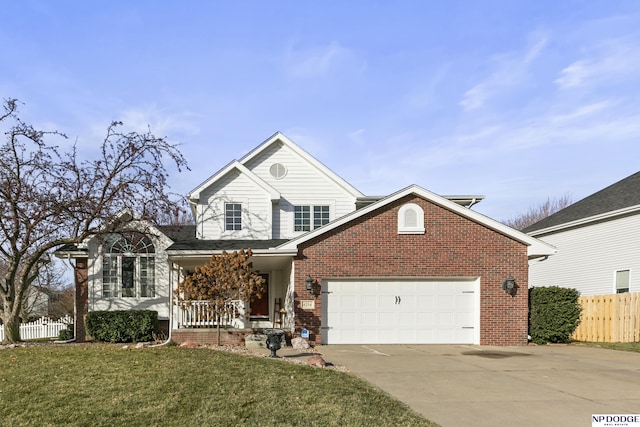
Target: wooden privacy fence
<point x="41" y="328"/>
<point x="609" y="318"/>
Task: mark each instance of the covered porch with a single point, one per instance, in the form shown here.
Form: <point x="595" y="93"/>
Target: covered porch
<point x="274" y="309"/>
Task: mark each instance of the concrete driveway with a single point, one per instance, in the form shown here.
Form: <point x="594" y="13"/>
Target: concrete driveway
<point x="464" y="385"/>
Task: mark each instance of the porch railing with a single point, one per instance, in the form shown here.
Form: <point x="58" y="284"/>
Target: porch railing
<point x="198" y="314"/>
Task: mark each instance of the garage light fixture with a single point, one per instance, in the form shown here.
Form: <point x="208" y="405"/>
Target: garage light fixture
<point x="309" y="283"/>
<point x="509" y="286"/>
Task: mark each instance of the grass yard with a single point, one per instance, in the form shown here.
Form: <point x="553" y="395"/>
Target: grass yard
<point x="104" y="385"/>
<point x="623" y="346"/>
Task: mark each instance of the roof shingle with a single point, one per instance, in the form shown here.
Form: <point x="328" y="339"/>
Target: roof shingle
<point x="623" y="194"/>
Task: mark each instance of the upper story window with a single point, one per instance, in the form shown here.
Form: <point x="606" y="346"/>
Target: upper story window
<point x="622" y="281"/>
<point x="320" y="216"/>
<point x="302" y="217"/>
<point x="278" y="170"/>
<point x="233" y="216"/>
<point x="128" y="266"/>
<point x="410" y="219"/>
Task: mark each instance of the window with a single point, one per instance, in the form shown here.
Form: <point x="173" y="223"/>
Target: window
<point x="302" y="217"/>
<point x="278" y="170"/>
<point x="410" y="219"/>
<point x="233" y="216"/>
<point x="320" y="216"/>
<point x="128" y="266"/>
<point x="622" y="281"/>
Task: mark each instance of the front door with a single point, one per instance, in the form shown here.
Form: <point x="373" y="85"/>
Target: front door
<point x="260" y="306"/>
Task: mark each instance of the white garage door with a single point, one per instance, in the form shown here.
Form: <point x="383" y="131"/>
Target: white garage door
<point x="400" y="312"/>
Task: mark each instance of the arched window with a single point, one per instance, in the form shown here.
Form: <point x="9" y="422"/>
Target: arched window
<point x="410" y="219"/>
<point x="128" y="266"/>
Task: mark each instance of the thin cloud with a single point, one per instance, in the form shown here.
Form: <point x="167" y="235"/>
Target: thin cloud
<point x="357" y="136"/>
<point x="608" y="61"/>
<point x="159" y="122"/>
<point x="510" y="70"/>
<point x="582" y="112"/>
<point x="321" y="61"/>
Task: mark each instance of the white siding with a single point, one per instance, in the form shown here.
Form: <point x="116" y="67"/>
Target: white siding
<point x="235" y="188"/>
<point x="588" y="257"/>
<point x="303" y="184"/>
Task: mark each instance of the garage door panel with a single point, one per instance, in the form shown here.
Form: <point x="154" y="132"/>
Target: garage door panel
<point x="379" y="311"/>
<point x="368" y="302"/>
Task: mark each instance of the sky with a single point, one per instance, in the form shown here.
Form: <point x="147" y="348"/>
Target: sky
<point x="518" y="101"/>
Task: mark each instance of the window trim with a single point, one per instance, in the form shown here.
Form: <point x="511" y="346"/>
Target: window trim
<point x="120" y="247"/>
<point x="617" y="289"/>
<point x="302" y="223"/>
<point x="418" y="227"/>
<point x="311" y="216"/>
<point x="237" y="215"/>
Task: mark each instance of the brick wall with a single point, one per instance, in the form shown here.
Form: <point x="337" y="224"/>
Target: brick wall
<point x="452" y="246"/>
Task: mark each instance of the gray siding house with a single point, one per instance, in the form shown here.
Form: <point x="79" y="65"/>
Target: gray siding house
<point x="598" y="242"/>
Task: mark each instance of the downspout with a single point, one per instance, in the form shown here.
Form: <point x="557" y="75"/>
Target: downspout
<point x="473" y="202"/>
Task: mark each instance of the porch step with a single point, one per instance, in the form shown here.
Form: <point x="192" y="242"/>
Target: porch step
<point x="255" y="341"/>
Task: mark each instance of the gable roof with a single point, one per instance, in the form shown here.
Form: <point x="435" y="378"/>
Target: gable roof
<point x="617" y="199"/>
<point x="277" y="137"/>
<point x="535" y="247"/>
<point x="273" y="193"/>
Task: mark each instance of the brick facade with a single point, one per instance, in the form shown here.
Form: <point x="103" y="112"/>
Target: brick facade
<point x="452" y="247"/>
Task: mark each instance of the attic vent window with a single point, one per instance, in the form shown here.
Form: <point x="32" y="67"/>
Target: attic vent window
<point x="277" y="170"/>
<point x="410" y="219"/>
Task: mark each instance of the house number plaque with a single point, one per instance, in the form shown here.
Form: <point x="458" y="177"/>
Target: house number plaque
<point x="308" y="304"/>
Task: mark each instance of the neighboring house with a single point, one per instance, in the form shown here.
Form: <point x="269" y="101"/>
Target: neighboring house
<point x="411" y="267"/>
<point x="598" y="242"/>
<point x="36" y="304"/>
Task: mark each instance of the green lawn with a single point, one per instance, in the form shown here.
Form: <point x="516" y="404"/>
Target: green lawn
<point x="104" y="385"/>
<point x="624" y="346"/>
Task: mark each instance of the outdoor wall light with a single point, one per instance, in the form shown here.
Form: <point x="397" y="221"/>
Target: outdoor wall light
<point x="509" y="286"/>
<point x="309" y="283"/>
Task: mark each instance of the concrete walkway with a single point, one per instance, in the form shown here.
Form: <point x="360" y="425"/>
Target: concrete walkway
<point x="459" y="385"/>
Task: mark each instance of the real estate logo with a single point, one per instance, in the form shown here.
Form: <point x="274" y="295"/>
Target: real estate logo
<point x="615" y="420"/>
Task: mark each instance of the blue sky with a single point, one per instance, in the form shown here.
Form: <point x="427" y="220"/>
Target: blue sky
<point x="514" y="100"/>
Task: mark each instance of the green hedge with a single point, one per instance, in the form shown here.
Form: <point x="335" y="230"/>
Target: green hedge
<point x="65" y="334"/>
<point x="554" y="314"/>
<point x="122" y="325"/>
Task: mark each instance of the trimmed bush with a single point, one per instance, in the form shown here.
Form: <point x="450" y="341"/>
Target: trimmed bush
<point x="554" y="314"/>
<point x="65" y="334"/>
<point x="122" y="325"/>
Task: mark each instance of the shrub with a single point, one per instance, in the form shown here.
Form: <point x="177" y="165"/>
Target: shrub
<point x="65" y="334"/>
<point x="554" y="314"/>
<point x="123" y="325"/>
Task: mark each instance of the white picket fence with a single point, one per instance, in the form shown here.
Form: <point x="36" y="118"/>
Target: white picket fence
<point x="41" y="328"/>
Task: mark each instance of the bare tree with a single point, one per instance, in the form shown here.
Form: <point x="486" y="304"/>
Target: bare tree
<point x="539" y="212"/>
<point x="51" y="292"/>
<point x="225" y="278"/>
<point x="50" y="198"/>
<point x="61" y="302"/>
